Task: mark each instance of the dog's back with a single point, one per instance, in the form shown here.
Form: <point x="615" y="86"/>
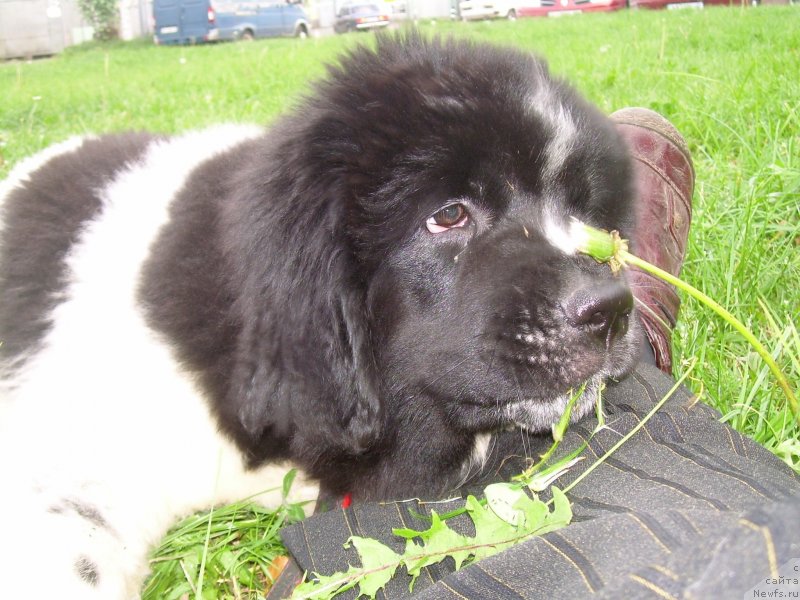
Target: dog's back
<point x="105" y="437"/>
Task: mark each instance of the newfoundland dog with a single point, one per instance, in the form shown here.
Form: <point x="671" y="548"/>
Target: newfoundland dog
<point x="366" y="290"/>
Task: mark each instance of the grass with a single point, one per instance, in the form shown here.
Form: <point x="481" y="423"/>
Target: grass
<point x="725" y="77"/>
<point x="230" y="552"/>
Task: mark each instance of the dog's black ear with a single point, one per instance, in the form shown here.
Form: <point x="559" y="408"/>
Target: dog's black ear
<point x="303" y="369"/>
<point x="359" y="398"/>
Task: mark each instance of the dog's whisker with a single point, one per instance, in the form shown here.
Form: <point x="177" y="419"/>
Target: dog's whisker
<point x="490" y="365"/>
<point x="445" y="374"/>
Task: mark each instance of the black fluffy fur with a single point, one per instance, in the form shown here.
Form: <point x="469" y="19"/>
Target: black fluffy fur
<point x="297" y="279"/>
<point x="44" y="221"/>
<point x="300" y="283"/>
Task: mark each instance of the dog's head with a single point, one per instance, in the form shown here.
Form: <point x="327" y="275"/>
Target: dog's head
<point x="470" y="163"/>
<point x="444" y="176"/>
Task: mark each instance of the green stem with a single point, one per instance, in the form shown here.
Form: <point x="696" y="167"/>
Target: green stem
<point x="630" y="434"/>
<point x="558" y="435"/>
<point x="628" y="258"/>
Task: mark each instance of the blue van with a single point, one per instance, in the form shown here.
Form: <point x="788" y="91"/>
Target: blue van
<point x="197" y="21"/>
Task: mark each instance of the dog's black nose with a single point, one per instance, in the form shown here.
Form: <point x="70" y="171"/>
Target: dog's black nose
<point x="603" y="310"/>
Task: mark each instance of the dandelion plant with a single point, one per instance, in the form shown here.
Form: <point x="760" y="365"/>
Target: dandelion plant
<point x="610" y="248"/>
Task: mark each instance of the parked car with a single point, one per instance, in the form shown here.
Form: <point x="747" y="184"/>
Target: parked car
<point x="670" y="4"/>
<point x="470" y="10"/>
<point x="557" y="8"/>
<point x="197" y="21"/>
<point x="658" y="4"/>
<point x="361" y="16"/>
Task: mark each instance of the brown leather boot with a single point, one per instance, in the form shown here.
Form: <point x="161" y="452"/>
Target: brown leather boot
<point x="665" y="181"/>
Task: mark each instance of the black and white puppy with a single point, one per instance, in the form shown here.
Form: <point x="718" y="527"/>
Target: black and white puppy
<point x="366" y="290"/>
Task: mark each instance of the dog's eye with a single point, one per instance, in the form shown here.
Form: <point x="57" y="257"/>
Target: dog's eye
<point x="449" y="217"/>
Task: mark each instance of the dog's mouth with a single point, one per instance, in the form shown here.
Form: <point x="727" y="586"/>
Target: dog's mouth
<point x="581" y="372"/>
<point x="534" y="396"/>
<point x="535" y="415"/>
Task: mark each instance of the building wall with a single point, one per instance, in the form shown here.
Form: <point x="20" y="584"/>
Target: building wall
<point x="428" y="9"/>
<point x="135" y="19"/>
<point x="31" y="28"/>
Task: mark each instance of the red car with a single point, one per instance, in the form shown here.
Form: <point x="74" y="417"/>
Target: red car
<point x="666" y="4"/>
<point x="688" y="3"/>
<point x="556" y="8"/>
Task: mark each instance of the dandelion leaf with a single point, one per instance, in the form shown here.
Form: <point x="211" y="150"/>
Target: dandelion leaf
<point x="492" y="533"/>
<point x="534" y="511"/>
<point x="378" y="563"/>
<point x="509" y="516"/>
<point x="322" y="587"/>
<point x="438" y="542"/>
<point x="560" y="516"/>
<point x="502" y="499"/>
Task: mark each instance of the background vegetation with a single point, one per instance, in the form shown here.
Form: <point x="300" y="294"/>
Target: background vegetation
<point x="103" y="15"/>
<point x="726" y="77"/>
